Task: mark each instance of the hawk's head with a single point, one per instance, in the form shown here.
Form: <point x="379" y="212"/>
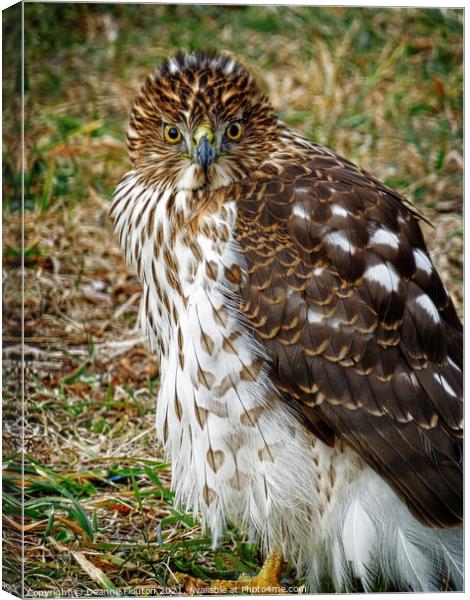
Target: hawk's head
<point x="200" y="120"/>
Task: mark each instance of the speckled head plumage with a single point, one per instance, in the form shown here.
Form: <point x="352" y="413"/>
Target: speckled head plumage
<point x="206" y="99"/>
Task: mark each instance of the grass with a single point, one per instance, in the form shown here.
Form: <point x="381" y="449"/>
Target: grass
<point x="381" y="86"/>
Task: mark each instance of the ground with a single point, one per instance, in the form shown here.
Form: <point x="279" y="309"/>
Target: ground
<point x="383" y="87"/>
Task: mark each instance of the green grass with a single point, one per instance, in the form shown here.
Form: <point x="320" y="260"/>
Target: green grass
<point x="77" y="512"/>
<point x="381" y="86"/>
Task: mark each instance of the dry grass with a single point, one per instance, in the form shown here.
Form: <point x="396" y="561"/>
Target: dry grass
<point x="383" y="87"/>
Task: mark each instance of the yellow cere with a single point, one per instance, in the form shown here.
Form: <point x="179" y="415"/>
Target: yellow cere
<point x="203" y="131"/>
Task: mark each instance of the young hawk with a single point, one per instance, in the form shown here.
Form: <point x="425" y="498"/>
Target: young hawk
<point x="311" y="359"/>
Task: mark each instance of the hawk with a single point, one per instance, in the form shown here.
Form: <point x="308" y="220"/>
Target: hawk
<point x="311" y="358"/>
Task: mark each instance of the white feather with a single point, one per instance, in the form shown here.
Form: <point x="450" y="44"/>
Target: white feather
<point x="413" y="564"/>
<point x="454" y="562"/>
<point x="338" y="564"/>
<point x="359" y="539"/>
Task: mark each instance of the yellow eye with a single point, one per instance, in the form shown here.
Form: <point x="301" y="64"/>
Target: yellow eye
<point x="172" y="134"/>
<point x="234" y="132"/>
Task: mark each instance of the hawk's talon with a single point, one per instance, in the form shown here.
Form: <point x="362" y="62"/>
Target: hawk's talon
<point x="268" y="580"/>
<point x="189" y="584"/>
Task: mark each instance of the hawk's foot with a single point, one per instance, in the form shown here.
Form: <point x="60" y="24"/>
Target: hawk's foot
<point x="188" y="584"/>
<point x="268" y="580"/>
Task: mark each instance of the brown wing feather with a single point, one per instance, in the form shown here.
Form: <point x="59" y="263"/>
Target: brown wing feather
<point x="363" y="337"/>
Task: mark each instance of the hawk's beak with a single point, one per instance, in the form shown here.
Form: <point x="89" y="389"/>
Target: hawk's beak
<point x="202" y="146"/>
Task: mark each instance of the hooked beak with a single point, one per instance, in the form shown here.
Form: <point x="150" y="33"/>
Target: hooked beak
<point x="202" y="148"/>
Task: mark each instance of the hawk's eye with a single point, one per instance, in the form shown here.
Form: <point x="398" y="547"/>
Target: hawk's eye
<point x="234" y="132"/>
<point x="172" y="134"/>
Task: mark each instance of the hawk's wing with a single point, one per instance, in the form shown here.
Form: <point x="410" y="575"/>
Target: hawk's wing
<point x="362" y="335"/>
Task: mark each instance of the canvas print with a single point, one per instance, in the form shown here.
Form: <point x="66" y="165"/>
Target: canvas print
<point x="232" y="244"/>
